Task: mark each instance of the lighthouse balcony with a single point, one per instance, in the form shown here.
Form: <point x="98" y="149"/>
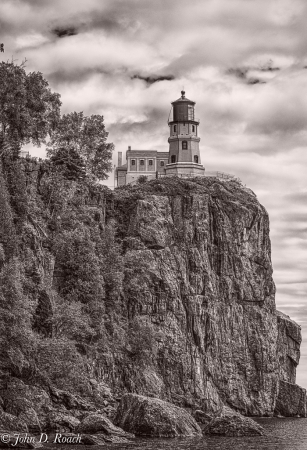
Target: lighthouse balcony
<point x="184" y="120"/>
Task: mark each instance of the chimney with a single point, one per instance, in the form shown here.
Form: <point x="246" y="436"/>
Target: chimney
<point x="129" y="147"/>
<point x="120" y="159"/>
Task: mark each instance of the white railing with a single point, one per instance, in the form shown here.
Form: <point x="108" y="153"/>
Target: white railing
<point x="218" y="174"/>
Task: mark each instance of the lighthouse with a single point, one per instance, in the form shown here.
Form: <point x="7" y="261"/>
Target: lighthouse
<point x="184" y="156"/>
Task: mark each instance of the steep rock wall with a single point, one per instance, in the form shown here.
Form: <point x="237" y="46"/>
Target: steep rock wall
<point x="200" y="274"/>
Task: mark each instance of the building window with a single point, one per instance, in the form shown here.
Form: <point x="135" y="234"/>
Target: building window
<point x="132" y="164"/>
<point x="150" y="162"/>
<point x="184" y="145"/>
<point x="175" y="128"/>
<point x="162" y="163"/>
<point x="173" y="158"/>
<point x="196" y="159"/>
<point x="193" y="128"/>
<point x="141" y="162"/>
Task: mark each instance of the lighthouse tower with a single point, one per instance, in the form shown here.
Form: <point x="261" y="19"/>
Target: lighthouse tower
<point x="184" y="156"/>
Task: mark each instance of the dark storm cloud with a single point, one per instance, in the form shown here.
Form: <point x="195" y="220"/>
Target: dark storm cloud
<point x="243" y="74"/>
<point x="153" y="78"/>
<point x="255" y="81"/>
<point x="65" y="31"/>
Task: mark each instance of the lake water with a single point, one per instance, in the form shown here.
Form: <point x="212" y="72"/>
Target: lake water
<point x="280" y="434"/>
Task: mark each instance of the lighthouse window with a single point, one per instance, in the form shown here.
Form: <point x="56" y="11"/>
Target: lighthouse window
<point x="196" y="159"/>
<point x="184" y="145"/>
<point x="173" y="158"/>
<point x="193" y="128"/>
<point x="175" y="128"/>
<point x="190" y="112"/>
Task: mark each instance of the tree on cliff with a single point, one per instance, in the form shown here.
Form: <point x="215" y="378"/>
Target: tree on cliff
<point x="29" y="110"/>
<point x="87" y="137"/>
<point x="69" y="163"/>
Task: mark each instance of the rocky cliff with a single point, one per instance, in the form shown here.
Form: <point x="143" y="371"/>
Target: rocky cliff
<point x="163" y="289"/>
<point x="201" y="276"/>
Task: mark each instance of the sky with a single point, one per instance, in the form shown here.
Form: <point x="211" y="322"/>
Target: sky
<point x="244" y="63"/>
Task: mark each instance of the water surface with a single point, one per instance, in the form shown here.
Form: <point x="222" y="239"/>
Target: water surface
<point x="280" y="434"/>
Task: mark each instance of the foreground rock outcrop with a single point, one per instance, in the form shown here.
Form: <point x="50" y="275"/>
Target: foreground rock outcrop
<point x="291" y="400"/>
<point x="234" y="426"/>
<point x="97" y="423"/>
<point x="152" y="417"/>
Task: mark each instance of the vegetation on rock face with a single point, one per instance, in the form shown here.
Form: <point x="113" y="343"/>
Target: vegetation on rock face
<point x="56" y="255"/>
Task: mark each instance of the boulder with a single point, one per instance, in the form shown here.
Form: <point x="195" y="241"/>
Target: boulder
<point x="202" y="417"/>
<point x="146" y="416"/>
<point x="69" y="400"/>
<point x="291" y="400"/>
<point x="62" y="422"/>
<point x="11" y="422"/>
<point x="27" y="402"/>
<point x="30" y="416"/>
<point x="97" y="423"/>
<point x="235" y="425"/>
<point x="110" y="411"/>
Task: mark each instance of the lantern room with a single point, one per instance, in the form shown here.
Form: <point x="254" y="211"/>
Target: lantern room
<point x="183" y="109"/>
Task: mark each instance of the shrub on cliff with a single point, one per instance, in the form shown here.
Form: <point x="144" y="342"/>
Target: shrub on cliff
<point x="16" y="184"/>
<point x="16" y="337"/>
<point x="79" y="265"/>
<point x="70" y="321"/>
<point x="59" y="361"/>
<point x="7" y="228"/>
<point x="141" y="340"/>
<point x="142" y="179"/>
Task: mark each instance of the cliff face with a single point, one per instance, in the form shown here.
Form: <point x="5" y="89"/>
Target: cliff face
<point x="163" y="289"/>
<point x="201" y="275"/>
